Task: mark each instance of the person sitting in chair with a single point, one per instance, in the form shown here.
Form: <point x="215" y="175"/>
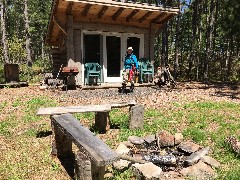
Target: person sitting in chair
<point x="130" y="69"/>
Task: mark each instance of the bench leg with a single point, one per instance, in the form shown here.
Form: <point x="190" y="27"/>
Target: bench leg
<point x="87" y="170"/>
<point x="102" y="121"/>
<point x="61" y="144"/>
<point x="97" y="172"/>
<point x="82" y="167"/>
<point x="136" y="116"/>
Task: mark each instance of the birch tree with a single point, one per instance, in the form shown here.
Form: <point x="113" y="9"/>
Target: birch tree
<point x="3" y="31"/>
<point x="28" y="40"/>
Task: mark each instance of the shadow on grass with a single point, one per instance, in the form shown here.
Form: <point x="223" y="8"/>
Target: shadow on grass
<point x="222" y="89"/>
<point x="94" y="129"/>
<point x="43" y="134"/>
<point x="68" y="162"/>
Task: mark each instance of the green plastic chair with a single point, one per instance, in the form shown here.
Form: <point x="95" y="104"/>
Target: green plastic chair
<point x="146" y="69"/>
<point x="92" y="70"/>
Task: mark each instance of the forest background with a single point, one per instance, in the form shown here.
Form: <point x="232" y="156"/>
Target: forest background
<point x="201" y="43"/>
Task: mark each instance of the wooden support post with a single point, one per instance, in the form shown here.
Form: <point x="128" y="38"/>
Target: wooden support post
<point x="70" y="49"/>
<point x="54" y="148"/>
<point x="85" y="169"/>
<point x="82" y="166"/>
<point x="152" y="40"/>
<point x="61" y="145"/>
<point x="146" y="45"/>
<point x="136" y="116"/>
<point x="102" y="121"/>
<point x="97" y="172"/>
<point x="78" y="56"/>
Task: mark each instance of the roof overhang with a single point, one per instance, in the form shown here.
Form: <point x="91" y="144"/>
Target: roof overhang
<point x="106" y="12"/>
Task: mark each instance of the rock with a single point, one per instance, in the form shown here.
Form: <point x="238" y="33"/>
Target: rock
<point x="138" y="156"/>
<point x="136" y="140"/>
<point x="43" y="87"/>
<point x="165" y="139"/>
<point x="128" y="144"/>
<point x="158" y="159"/>
<point x="178" y="138"/>
<point x="121" y="165"/>
<point x="188" y="147"/>
<point x="234" y="143"/>
<point x="171" y="175"/>
<point x="150" y="138"/>
<point x="210" y="161"/>
<point x="196" y="156"/>
<point x="199" y="171"/>
<point x="108" y="175"/>
<point x="122" y="149"/>
<point x="147" y="171"/>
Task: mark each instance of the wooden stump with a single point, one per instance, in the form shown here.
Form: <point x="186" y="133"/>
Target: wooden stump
<point x="102" y="121"/>
<point x="136" y="116"/>
<point x="87" y="170"/>
<point x="82" y="167"/>
<point x="97" y="172"/>
<point x="11" y="72"/>
<point x="61" y="144"/>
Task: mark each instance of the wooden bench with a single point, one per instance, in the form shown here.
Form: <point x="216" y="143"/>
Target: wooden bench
<point x="93" y="154"/>
<point x="102" y="118"/>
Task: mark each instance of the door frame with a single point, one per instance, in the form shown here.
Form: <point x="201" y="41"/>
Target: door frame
<point x="103" y="51"/>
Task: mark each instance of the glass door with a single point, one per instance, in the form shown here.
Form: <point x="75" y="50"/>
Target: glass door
<point x="91" y="48"/>
<point x="134" y="42"/>
<point x="112" y="59"/>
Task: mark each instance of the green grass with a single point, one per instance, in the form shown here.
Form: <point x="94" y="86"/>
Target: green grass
<point x="27" y="157"/>
<point x="23" y="156"/>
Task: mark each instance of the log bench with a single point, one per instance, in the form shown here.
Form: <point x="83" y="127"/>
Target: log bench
<point x="102" y="118"/>
<point x="93" y="154"/>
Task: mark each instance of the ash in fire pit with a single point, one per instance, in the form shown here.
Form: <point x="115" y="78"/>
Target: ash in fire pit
<point x="173" y="156"/>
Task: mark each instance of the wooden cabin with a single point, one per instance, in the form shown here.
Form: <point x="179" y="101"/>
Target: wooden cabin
<point x="82" y="31"/>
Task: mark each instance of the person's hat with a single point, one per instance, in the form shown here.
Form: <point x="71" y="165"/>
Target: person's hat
<point x="130" y="48"/>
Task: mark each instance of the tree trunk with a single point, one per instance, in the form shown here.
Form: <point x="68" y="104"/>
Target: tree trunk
<point x="194" y="30"/>
<point x="209" y="42"/>
<point x="4" y="33"/>
<point x="176" y="62"/>
<point x="229" y="64"/>
<point x="164" y="59"/>
<point x="28" y="40"/>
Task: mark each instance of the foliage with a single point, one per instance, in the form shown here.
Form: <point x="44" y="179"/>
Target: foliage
<point x="207" y="41"/>
<point x="17" y="53"/>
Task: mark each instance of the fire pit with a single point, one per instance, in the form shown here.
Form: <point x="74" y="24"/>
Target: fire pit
<point x="168" y="155"/>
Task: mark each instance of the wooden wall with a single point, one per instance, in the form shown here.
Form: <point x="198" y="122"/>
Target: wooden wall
<point x="73" y="41"/>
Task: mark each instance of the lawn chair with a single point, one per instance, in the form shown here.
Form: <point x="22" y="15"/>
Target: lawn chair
<point x="92" y="71"/>
<point x="146" y="70"/>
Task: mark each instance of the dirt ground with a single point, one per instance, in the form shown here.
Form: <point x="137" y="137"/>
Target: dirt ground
<point x="151" y="97"/>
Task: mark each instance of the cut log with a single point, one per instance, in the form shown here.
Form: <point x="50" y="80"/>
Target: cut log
<point x="132" y="159"/>
<point x="102" y="122"/>
<point x="73" y="109"/>
<point x="136" y="117"/>
<point x="122" y="104"/>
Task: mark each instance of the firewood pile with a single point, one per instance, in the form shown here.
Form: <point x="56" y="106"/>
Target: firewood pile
<point x="163" y="77"/>
<point x="164" y="156"/>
